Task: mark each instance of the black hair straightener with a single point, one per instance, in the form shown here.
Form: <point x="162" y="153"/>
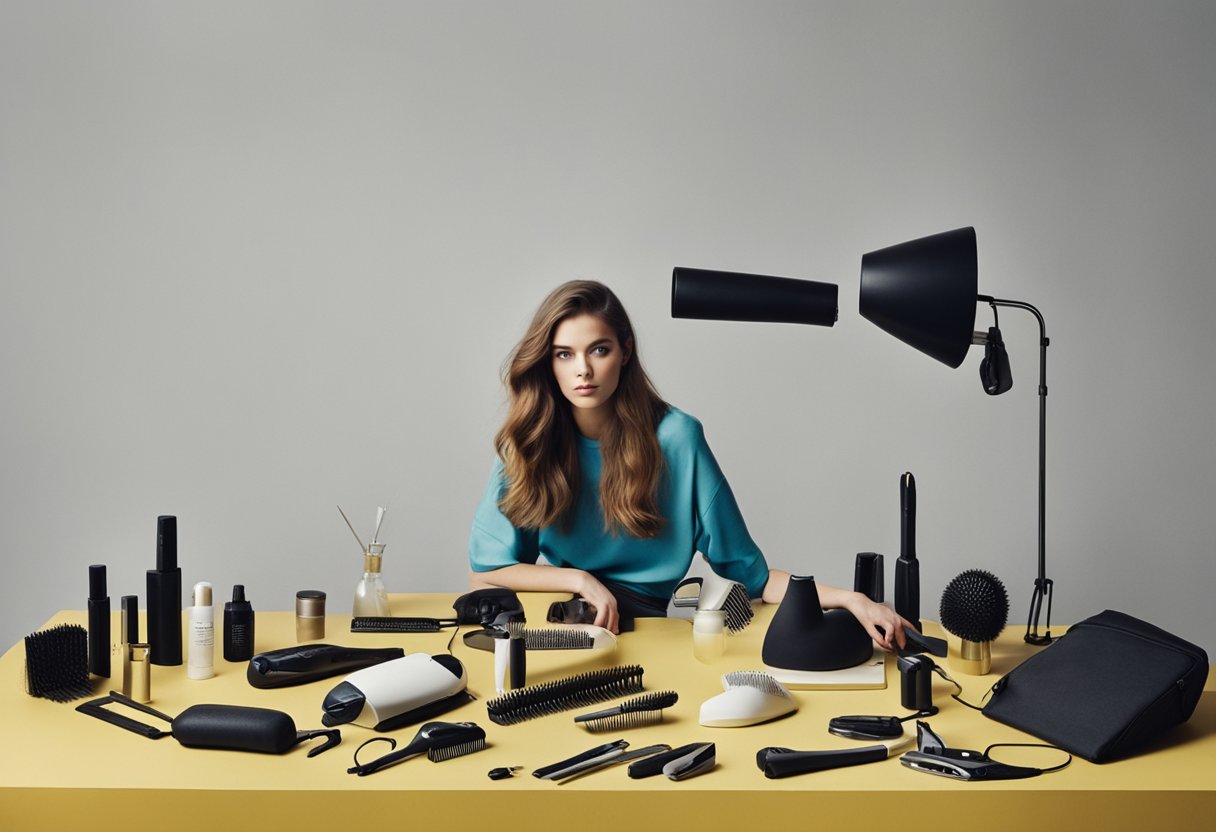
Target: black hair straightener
<point x="932" y="756"/>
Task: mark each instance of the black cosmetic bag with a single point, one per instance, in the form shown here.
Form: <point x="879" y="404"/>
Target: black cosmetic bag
<point x="1108" y="686"/>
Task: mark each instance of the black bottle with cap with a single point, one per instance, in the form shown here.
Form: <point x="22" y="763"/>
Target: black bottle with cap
<point x="99" y="622"/>
<point x="238" y="627"/>
<point x="165" y="597"/>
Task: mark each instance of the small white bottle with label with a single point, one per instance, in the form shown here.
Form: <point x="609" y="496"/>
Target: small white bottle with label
<point x="200" y="645"/>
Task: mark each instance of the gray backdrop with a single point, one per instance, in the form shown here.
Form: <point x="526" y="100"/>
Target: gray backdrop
<point x="260" y="259"/>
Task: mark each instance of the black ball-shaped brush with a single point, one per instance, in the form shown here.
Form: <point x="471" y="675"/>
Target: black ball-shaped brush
<point x="975" y="608"/>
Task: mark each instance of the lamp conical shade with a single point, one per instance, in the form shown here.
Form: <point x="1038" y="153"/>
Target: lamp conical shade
<point x="803" y="636"/>
<point x="924" y="292"/>
<point x="730" y="296"/>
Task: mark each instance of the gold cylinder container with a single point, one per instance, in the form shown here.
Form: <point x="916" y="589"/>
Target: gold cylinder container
<point x="137" y="673"/>
<point x="310" y="615"/>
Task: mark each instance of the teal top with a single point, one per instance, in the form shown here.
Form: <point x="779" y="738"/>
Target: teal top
<point x="694" y="498"/>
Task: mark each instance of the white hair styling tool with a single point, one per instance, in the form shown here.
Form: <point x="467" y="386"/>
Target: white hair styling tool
<point x="751" y="697"/>
<point x="396" y="693"/>
<point x="713" y="592"/>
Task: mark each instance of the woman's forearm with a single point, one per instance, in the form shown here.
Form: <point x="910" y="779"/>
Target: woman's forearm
<point x="832" y="598"/>
<point x="774" y="590"/>
<point x="530" y="577"/>
<point x="829" y="596"/>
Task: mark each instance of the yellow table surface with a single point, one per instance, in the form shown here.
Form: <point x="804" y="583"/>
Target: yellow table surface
<point x="59" y="767"/>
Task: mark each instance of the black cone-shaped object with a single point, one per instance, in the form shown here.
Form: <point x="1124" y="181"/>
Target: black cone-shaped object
<point x="730" y="296"/>
<point x="924" y="292"/>
<point x="804" y="636"/>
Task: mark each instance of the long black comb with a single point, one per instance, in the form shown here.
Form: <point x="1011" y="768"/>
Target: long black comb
<point x="564" y="694"/>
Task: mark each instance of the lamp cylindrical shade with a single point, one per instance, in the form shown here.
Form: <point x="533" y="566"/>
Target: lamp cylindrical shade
<point x="731" y="296"/>
<point x="924" y="293"/>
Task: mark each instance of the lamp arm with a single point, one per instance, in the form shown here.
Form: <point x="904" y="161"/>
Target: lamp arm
<point x="1042" y="584"/>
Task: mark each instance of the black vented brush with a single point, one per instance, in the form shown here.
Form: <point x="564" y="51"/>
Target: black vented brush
<point x="975" y="608"/>
<point x="564" y="694"/>
<point x="438" y="740"/>
<point x="646" y="709"/>
<point x="57" y="663"/>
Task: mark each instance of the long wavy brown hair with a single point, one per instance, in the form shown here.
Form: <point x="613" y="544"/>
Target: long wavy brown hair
<point x="538" y="442"/>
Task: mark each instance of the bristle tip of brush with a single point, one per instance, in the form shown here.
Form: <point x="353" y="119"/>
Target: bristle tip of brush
<point x="556" y="638"/>
<point x="451" y="752"/>
<point x="738" y="607"/>
<point x="755" y="679"/>
<point x="57" y="663"/>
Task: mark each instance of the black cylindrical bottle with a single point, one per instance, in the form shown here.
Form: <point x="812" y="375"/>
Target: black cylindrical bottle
<point x="238" y="627"/>
<point x="165" y="597"/>
<point x="99" y="622"/>
<point x="130" y="620"/>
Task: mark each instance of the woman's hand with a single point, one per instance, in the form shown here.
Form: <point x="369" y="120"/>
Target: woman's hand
<point x="880" y="621"/>
<point x="598" y="596"/>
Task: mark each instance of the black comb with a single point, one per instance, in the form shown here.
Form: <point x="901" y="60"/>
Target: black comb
<point x="564" y="694"/>
<point x="391" y="624"/>
<point x="646" y="709"/>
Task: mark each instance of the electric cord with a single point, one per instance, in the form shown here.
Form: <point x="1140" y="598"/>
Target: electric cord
<point x="1031" y="745"/>
<point x="957" y="696"/>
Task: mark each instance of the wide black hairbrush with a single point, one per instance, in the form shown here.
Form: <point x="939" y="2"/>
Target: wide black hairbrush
<point x="564" y="694"/>
<point x="57" y="663"/>
<point x="646" y="709"/>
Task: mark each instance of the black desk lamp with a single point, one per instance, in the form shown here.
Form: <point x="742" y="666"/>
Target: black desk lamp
<point x="924" y="293"/>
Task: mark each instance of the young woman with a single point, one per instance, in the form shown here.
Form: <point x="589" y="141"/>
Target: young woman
<point x="615" y="487"/>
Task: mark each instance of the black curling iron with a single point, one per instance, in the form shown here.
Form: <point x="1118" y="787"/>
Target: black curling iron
<point x="907" y="568"/>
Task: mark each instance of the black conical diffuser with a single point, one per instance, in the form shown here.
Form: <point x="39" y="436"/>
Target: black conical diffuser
<point x="804" y="636"/>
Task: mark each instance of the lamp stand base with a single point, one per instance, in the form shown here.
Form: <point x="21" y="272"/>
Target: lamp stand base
<point x="1042" y="589"/>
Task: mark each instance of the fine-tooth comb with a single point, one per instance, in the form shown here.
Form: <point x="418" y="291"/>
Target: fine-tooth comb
<point x="564" y="694"/>
<point x="646" y="709"/>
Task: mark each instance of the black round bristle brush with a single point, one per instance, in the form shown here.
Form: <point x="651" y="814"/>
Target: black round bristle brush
<point x="578" y="691"/>
<point x="975" y="608"/>
<point x="57" y="663"/>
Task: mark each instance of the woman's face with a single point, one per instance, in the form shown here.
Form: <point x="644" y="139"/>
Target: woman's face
<point x="587" y="362"/>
